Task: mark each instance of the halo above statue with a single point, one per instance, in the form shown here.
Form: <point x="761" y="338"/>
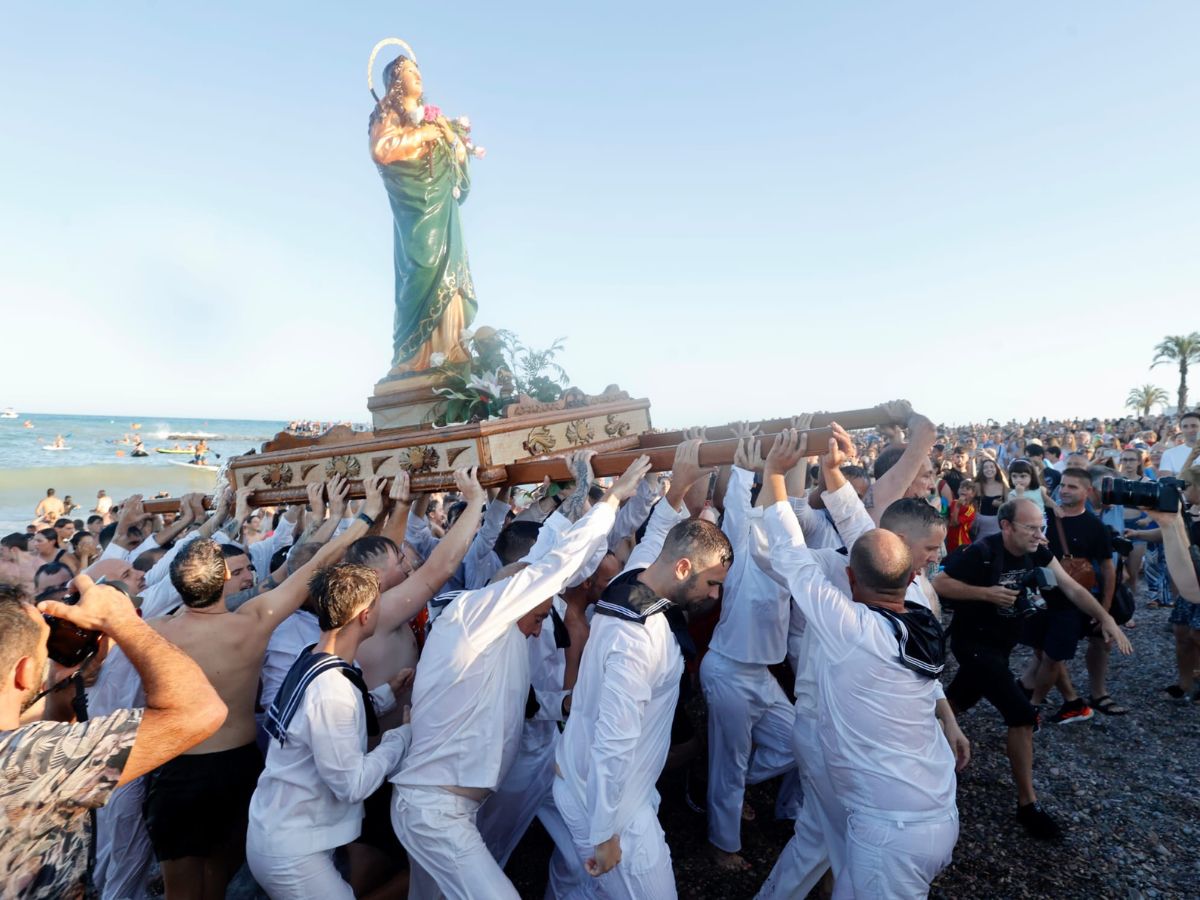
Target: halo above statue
<point x="386" y="42"/>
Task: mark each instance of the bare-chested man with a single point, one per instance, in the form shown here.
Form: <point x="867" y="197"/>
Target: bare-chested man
<point x="407" y="585"/>
<point x="197" y="804"/>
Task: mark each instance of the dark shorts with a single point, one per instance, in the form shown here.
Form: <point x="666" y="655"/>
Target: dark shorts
<point x="1056" y="632"/>
<point x="1185" y="613"/>
<point x="983" y="674"/>
<point x="197" y="804"/>
<point x="377" y="828"/>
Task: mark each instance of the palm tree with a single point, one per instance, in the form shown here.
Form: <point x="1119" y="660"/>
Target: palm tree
<point x="1182" y="349"/>
<point x="1146" y="396"/>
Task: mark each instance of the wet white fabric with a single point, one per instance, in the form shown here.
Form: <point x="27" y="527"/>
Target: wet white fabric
<point x="883" y="750"/>
<point x="893" y="857"/>
<point x="644" y="872"/>
<point x="749" y="739"/>
<point x="507" y="813"/>
<point x="298" y="877"/>
<point x="616" y="740"/>
<point x="755" y="611"/>
<point x="310" y="794"/>
<point x="446" y="854"/>
<point x="473" y="678"/>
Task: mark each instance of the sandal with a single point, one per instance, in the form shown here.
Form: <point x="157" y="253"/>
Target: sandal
<point x="1108" y="706"/>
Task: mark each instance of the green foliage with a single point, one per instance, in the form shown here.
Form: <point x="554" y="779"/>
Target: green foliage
<point x="1146" y="396"/>
<point x="1182" y="349"/>
<point x="500" y="370"/>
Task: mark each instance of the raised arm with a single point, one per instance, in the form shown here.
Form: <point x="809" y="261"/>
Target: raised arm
<point x="1175" y="543"/>
<point x="896" y="481"/>
<point x="685" y="472"/>
<point x="182" y="709"/>
<point x="850" y="517"/>
<point x="489" y="611"/>
<point x="272" y="607"/>
<point x="634" y="511"/>
<point x="832" y="616"/>
<point x="401" y="497"/>
<point x="399" y="604"/>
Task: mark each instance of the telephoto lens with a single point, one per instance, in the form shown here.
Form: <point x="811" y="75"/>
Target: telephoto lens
<point x="1162" y="496"/>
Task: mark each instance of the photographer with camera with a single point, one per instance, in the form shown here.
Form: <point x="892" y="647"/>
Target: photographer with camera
<point x="1173" y="504"/>
<point x="994" y="586"/>
<point x="55" y="772"/>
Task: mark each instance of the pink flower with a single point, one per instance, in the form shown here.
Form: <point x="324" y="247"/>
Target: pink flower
<point x="432" y="113"/>
<point x="479" y="152"/>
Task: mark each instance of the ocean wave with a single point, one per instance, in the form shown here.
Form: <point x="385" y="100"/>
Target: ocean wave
<point x="82" y="482"/>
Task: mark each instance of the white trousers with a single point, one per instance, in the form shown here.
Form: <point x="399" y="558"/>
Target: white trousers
<point x="124" y="857"/>
<point x="819" y="841"/>
<point x="506" y="815"/>
<point x="526" y="793"/>
<point x="644" y="872"/>
<point x="298" y="877"/>
<point x="446" y="854"/>
<point x="895" y="857"/>
<point x="750" y="725"/>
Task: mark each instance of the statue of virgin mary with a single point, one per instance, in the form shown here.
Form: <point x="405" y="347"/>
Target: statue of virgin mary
<point x="423" y="160"/>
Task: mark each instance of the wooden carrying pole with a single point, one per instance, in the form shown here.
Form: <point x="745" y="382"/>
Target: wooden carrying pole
<point x="718" y="450"/>
<point x="712" y="453"/>
<point x="850" y="419"/>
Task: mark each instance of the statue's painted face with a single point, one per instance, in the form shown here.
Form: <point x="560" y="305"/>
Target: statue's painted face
<point x="410" y="79"/>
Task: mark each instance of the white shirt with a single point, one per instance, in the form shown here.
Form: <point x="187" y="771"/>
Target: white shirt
<point x="883" y="748"/>
<point x="310" y="793"/>
<point x="116" y="551"/>
<point x="260" y="552"/>
<point x="1173" y="459"/>
<point x="755" y="609"/>
<point x="820" y="532"/>
<point x="632" y="514"/>
<point x="473" y="678"/>
<point x="853" y="520"/>
<point x="298" y="631"/>
<point x="616" y="740"/>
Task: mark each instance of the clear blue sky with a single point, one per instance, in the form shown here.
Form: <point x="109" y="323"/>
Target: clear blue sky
<point x="737" y="210"/>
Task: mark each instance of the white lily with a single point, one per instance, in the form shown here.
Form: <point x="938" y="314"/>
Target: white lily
<point x="488" y="383"/>
<point x="437" y="359"/>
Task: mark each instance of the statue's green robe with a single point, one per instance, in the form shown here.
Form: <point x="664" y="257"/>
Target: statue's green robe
<point x="430" y="255"/>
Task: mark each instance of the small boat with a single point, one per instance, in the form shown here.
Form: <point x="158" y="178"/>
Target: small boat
<point x="192" y="465"/>
<point x="175" y="452"/>
<point x="8" y="413"/>
<point x="52" y="447"/>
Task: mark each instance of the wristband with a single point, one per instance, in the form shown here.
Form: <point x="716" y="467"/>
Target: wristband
<point x="364" y="517"/>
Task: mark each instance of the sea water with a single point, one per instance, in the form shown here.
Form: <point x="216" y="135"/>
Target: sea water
<point x="98" y="458"/>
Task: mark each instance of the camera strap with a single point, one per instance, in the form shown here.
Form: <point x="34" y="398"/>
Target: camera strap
<point x="62" y="684"/>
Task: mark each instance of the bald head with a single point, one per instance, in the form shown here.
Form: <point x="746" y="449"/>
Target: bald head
<point x="881" y="563"/>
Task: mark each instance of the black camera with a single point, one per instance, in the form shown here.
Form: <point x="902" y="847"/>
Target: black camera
<point x="1029" y="600"/>
<point x="1162" y="495"/>
<point x="68" y="644"/>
